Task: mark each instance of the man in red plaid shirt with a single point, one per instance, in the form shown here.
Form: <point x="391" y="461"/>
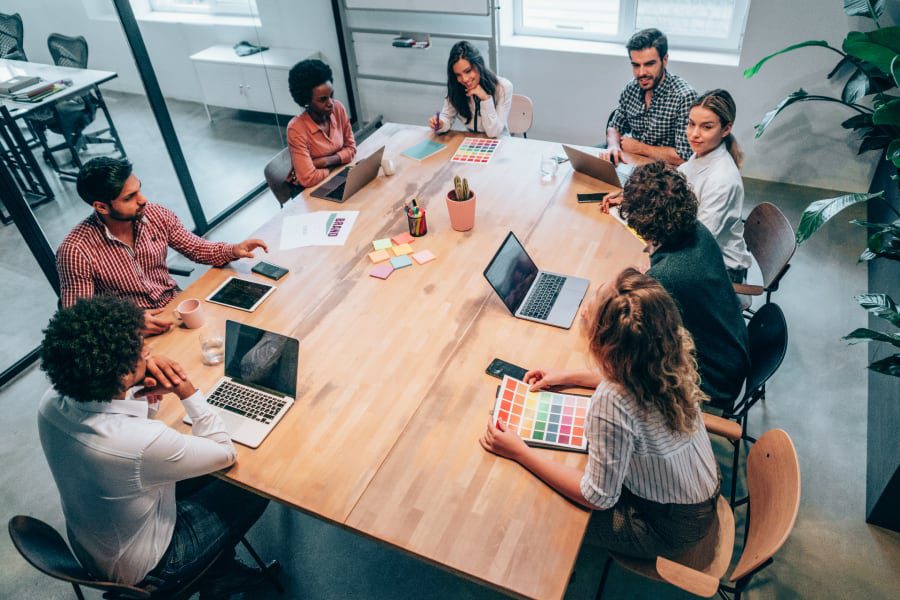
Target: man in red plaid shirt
<point x="120" y="250"/>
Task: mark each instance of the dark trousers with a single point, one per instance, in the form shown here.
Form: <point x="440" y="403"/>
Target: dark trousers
<point x="211" y="516"/>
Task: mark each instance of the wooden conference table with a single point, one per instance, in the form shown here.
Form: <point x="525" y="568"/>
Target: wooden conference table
<point x="392" y="390"/>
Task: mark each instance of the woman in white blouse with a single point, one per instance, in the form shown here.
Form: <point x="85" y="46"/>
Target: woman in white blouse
<point x="712" y="172"/>
<point x="475" y="95"/>
<point x="651" y="477"/>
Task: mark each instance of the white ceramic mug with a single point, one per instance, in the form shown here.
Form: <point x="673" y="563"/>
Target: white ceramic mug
<point x="190" y="312"/>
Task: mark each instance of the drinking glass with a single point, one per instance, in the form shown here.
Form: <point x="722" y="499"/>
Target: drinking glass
<point x="212" y="345"/>
<point x="548" y="166"/>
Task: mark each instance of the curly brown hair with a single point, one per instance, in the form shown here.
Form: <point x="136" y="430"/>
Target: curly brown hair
<point x="636" y="336"/>
<point x="658" y="203"/>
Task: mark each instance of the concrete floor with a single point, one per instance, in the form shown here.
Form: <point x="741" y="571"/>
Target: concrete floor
<point x="818" y="397"/>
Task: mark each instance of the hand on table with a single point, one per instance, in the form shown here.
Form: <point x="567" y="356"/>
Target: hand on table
<point x="165" y="376"/>
<point x="503" y="442"/>
<point x="154" y="324"/>
<point x="614" y="199"/>
<point x="613" y="155"/>
<point x="540" y="379"/>
<point x="245" y="249"/>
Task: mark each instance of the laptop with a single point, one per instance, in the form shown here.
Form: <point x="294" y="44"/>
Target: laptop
<point x="599" y="168"/>
<point x="530" y="293"/>
<point x="352" y="179"/>
<point x="260" y="382"/>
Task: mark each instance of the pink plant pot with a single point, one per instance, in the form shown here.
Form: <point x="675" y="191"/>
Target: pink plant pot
<point x="462" y="213"/>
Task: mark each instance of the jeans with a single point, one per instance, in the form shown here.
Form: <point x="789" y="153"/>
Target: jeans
<point x="211" y="516"/>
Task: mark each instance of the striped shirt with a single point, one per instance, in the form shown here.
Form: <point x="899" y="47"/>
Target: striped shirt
<point x="634" y="447"/>
<point x="663" y="123"/>
<point x="91" y="261"/>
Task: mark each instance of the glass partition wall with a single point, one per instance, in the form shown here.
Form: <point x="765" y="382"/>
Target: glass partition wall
<point x="198" y="123"/>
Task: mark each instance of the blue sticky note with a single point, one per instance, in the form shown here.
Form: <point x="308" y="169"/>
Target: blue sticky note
<point x="424" y="149"/>
<point x="398" y="262"/>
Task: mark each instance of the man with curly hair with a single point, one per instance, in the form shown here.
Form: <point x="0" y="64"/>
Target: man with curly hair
<point x="120" y="249"/>
<point x="685" y="258"/>
<point x="137" y="508"/>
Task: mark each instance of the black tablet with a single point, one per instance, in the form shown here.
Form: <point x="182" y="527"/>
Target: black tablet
<point x="241" y="293"/>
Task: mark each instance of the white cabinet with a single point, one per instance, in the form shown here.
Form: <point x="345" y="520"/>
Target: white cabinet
<point x="256" y="82"/>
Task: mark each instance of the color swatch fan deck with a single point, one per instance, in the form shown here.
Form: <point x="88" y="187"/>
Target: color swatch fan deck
<point x="476" y="150"/>
<point x="543" y="419"/>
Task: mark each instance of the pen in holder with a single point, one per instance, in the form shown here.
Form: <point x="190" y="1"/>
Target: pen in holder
<point x="415" y="215"/>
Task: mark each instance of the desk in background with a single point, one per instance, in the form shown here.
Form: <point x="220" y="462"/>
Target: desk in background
<point x="392" y="393"/>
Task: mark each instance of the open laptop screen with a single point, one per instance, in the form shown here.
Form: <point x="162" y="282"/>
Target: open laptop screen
<point x="511" y="272"/>
<point x="262" y="358"/>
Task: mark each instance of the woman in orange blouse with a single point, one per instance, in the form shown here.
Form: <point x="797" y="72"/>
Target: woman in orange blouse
<point x="320" y="137"/>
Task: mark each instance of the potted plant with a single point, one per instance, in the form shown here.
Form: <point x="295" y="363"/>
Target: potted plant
<point x="461" y="205"/>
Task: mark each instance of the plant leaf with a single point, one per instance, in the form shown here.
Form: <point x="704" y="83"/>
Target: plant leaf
<point x="856" y="87"/>
<point x="878" y="47"/>
<point x="821" y="211"/>
<point x="870" y="335"/>
<point x="887" y="114"/>
<point x="869" y="225"/>
<point x="844" y="63"/>
<point x="888" y="366"/>
<point x="863" y="8"/>
<point x="895" y="70"/>
<point x="893" y="153"/>
<point x="880" y="305"/>
<point x="748" y="73"/>
<point x="858" y="121"/>
<point x="873" y="142"/>
<point x="797" y="96"/>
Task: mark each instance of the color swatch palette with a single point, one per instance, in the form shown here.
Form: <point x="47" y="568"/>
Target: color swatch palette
<point x="476" y="150"/>
<point x="544" y="419"/>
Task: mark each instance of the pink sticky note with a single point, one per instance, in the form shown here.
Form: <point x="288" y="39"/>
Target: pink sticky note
<point x="402" y="249"/>
<point x="424" y="256"/>
<point x="403" y="238"/>
<point x="379" y="256"/>
<point x="381" y="271"/>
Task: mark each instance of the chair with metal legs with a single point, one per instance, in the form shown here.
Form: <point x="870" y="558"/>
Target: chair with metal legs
<point x="12" y="36"/>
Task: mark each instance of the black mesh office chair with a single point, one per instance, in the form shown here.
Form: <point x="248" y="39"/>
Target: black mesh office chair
<point x="12" y="34"/>
<point x="69" y="118"/>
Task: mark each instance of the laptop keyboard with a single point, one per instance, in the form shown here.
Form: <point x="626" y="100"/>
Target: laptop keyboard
<point x="338" y="192"/>
<point x="545" y="292"/>
<point x="246" y="402"/>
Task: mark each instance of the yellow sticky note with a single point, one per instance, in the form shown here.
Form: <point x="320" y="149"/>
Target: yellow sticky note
<point x="379" y="256"/>
<point x="402" y="249"/>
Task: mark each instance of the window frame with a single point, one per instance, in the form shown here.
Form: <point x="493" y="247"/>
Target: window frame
<point x="224" y="8"/>
<point x="628" y="24"/>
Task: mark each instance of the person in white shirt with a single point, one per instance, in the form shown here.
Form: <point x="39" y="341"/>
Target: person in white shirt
<point x="712" y="172"/>
<point x="651" y="477"/>
<point x="475" y="95"/>
<point x="116" y="468"/>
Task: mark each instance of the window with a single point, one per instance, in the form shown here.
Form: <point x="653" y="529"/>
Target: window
<point x="698" y="24"/>
<point x="245" y="8"/>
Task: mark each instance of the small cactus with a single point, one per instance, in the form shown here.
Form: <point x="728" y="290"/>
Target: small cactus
<point x="461" y="186"/>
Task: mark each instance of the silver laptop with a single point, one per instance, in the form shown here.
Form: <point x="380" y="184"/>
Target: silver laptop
<point x="598" y="168"/>
<point x="260" y="382"/>
<point x="352" y="179"/>
<point x="530" y="293"/>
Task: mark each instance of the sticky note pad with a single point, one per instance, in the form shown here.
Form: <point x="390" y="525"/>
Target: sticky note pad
<point x="382" y="244"/>
<point x="381" y="271"/>
<point x="402" y="249"/>
<point x="399" y="262"/>
<point x="379" y="256"/>
<point x="403" y="238"/>
<point x="424" y="256"/>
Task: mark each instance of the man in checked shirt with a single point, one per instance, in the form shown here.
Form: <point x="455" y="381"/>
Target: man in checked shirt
<point x="653" y="108"/>
<point x="120" y="250"/>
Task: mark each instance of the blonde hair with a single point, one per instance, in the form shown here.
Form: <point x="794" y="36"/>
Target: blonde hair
<point x="722" y="105"/>
<point x="636" y="337"/>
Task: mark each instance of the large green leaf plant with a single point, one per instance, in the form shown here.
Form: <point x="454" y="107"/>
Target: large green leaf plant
<point x="870" y="61"/>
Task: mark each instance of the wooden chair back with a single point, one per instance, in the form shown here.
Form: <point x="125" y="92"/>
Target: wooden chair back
<point x="770" y="239"/>
<point x="773" y="481"/>
<point x="521" y="114"/>
<point x="276" y="172"/>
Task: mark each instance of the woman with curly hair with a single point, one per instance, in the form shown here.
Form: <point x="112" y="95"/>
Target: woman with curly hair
<point x="651" y="476"/>
<point x="658" y="204"/>
<point x="320" y="137"/>
<point x="475" y="95"/>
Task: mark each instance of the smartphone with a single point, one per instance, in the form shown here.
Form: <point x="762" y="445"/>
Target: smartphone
<point x="498" y="368"/>
<point x="269" y="270"/>
<point x="598" y="197"/>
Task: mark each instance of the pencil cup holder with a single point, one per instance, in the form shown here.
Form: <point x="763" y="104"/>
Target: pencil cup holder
<point x="417" y="224"/>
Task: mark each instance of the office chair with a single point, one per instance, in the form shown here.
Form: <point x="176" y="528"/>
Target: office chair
<point x="773" y="475"/>
<point x="521" y="115"/>
<point x="770" y="239"/>
<point x="69" y="118"/>
<point x="12" y="35"/>
<point x="276" y="172"/>
<point x="46" y="551"/>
